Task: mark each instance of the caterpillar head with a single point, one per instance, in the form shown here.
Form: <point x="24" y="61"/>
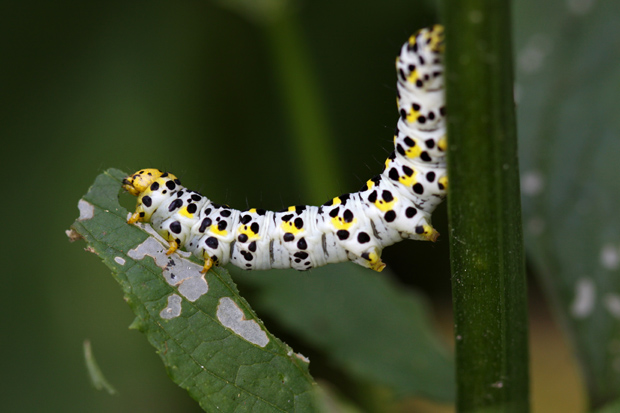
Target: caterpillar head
<point x="138" y="182"/>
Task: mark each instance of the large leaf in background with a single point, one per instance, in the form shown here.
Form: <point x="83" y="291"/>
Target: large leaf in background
<point x="209" y="338"/>
<point x="370" y="328"/>
<point x="568" y="89"/>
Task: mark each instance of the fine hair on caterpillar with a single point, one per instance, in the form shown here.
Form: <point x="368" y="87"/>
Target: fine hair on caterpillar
<point x="394" y="205"/>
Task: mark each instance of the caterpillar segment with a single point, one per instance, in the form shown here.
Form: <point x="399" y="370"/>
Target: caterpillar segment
<point x="392" y="206"/>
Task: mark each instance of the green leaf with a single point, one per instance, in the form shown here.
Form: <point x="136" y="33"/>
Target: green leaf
<point x="372" y="329"/>
<point x="568" y="83"/>
<point x="210" y="340"/>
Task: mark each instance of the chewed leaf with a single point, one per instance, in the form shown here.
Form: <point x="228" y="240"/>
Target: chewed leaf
<point x="210" y="340"/>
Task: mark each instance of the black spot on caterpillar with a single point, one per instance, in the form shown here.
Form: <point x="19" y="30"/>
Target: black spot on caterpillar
<point x="395" y="205"/>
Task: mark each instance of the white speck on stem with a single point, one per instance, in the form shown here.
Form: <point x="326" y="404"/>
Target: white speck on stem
<point x="475" y="16"/>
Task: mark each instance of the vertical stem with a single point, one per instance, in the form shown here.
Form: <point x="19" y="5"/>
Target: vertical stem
<point x="486" y="244"/>
<point x="310" y="132"/>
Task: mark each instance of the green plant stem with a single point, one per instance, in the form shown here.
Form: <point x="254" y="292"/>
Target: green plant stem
<point x="310" y="132"/>
<point x="486" y="241"/>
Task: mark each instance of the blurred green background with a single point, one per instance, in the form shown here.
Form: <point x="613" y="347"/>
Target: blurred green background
<point x="192" y="88"/>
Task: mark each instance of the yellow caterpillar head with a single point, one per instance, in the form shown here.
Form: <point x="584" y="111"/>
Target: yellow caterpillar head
<point x="140" y="181"/>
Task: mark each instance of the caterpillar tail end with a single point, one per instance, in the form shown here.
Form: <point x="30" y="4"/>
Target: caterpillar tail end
<point x="375" y="262"/>
<point x="430" y="233"/>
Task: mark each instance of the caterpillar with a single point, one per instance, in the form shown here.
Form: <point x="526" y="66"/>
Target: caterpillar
<point x="392" y="206"/>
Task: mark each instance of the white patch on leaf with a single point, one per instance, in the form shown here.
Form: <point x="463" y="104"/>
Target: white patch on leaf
<point x="173" y="309"/>
<point x="73" y="235"/>
<point x="87" y="210"/>
<point x="610" y="258"/>
<point x="585" y="296"/>
<point x="302" y="358"/>
<point x="231" y="316"/>
<point x="177" y="271"/>
<point x="612" y="304"/>
<point x="532" y="183"/>
<point x="532" y="57"/>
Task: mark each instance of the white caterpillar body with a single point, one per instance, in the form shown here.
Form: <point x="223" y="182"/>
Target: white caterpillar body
<point x="395" y="205"/>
